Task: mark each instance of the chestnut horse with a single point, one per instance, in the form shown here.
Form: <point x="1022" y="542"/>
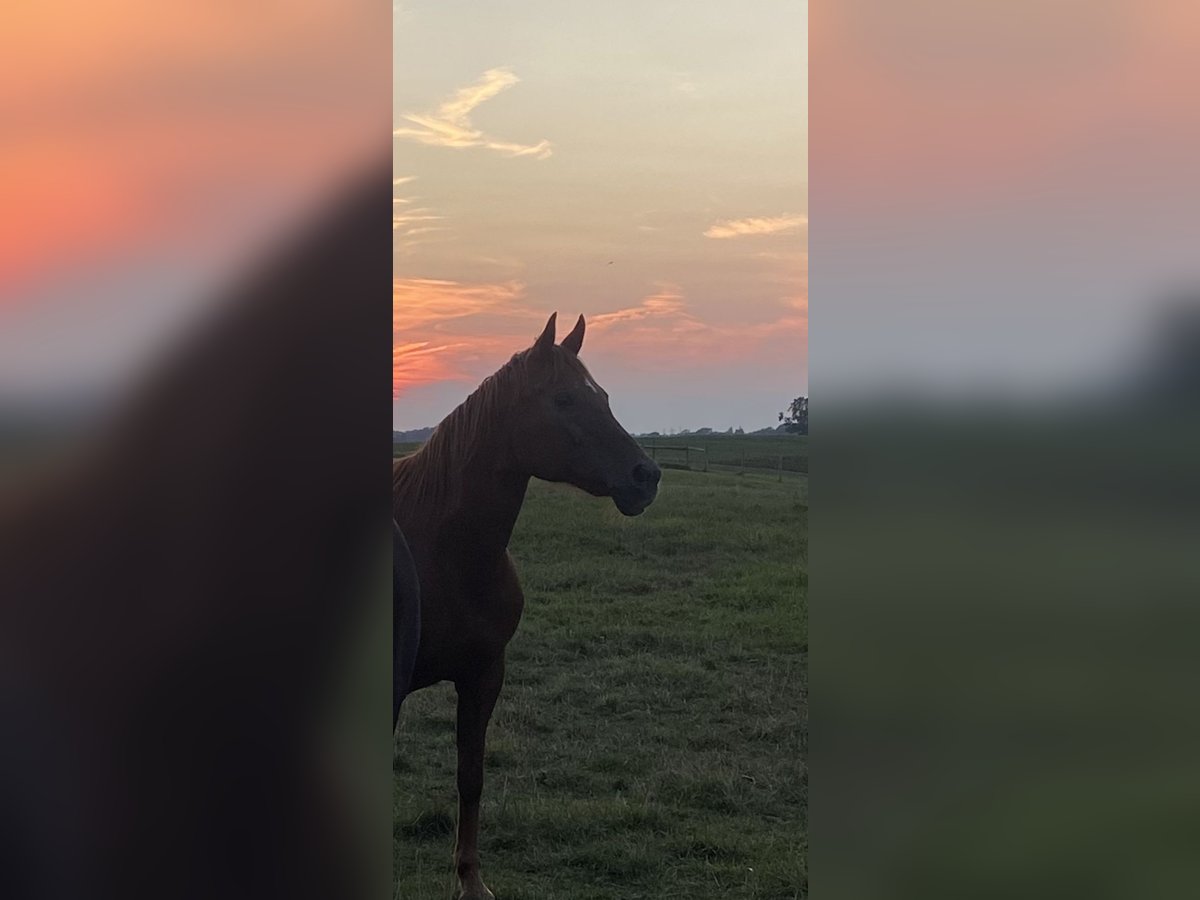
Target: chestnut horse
<point x="457" y="500"/>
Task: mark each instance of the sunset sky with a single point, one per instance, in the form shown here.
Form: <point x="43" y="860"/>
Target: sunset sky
<point x="644" y="164"/>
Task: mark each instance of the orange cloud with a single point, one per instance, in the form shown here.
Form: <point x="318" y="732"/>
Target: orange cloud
<point x="422" y="303"/>
<point x="666" y="304"/>
<point x="663" y="331"/>
<point x="421" y="362"/>
<point x="454" y="331"/>
<point x="449" y="330"/>
<point x="450" y="125"/>
<point x="732" y="228"/>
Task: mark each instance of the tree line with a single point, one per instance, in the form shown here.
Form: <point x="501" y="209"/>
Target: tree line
<point x="795" y="417"/>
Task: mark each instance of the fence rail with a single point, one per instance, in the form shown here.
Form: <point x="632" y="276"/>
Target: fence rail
<point x="681" y="448"/>
<point x="739" y="459"/>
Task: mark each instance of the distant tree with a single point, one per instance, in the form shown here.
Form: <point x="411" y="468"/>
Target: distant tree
<point x="739" y="430"/>
<point x="795" y="417"/>
<point x="704" y="431"/>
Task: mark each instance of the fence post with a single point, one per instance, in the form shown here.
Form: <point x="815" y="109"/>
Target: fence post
<point x="705" y="459"/>
<point x="687" y="457"/>
<point x="654" y="452"/>
<point x="781" y="469"/>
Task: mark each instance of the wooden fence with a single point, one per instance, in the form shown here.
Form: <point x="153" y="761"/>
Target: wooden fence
<point x="688" y="457"/>
<point x="685" y="450"/>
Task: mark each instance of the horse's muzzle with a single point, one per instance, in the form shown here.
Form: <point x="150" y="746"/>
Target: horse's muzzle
<point x="639" y="492"/>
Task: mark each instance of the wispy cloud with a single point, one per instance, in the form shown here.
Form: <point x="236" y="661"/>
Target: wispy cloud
<point x="450" y="124"/>
<point x="683" y="83"/>
<point x="422" y="362"/>
<point x="663" y="331"/>
<point x="454" y="331"/>
<point x="421" y="214"/>
<point x="666" y="303"/>
<point x="415" y="221"/>
<point x="411" y="225"/>
<point x="422" y="303"/>
<point x="731" y="228"/>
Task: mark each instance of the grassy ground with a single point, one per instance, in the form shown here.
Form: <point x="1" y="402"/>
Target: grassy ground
<point x="728" y="453"/>
<point x="650" y="738"/>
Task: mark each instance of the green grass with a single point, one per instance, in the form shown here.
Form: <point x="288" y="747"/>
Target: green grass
<point x="729" y="453"/>
<point x="650" y="738"/>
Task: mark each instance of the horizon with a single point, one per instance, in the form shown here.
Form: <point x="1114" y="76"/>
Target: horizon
<point x="654" y="180"/>
<point x="712" y="431"/>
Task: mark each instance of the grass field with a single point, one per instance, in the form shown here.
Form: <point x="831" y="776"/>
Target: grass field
<point x="728" y="453"/>
<point x="649" y="742"/>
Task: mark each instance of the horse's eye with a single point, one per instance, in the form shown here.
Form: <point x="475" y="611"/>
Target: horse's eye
<point x="563" y="399"/>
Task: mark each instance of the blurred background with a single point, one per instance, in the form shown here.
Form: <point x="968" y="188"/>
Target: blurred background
<point x="194" y="265"/>
<point x="1005" y="343"/>
<point x="150" y="154"/>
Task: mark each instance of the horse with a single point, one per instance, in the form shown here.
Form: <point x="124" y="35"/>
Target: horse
<point x="457" y="499"/>
<point x="406" y="619"/>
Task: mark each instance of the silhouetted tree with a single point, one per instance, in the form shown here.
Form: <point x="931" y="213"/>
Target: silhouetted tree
<point x="795" y="417"/>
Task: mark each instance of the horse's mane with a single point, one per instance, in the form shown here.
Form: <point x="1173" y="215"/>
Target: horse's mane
<point x="430" y="477"/>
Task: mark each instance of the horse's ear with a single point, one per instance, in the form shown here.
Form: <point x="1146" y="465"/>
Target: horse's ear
<point x="574" y="340"/>
<point x="546" y="341"/>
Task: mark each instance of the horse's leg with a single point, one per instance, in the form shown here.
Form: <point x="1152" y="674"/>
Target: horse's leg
<point x="406" y="619"/>
<point x="476" y="700"/>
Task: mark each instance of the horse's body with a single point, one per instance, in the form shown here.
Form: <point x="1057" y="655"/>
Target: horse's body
<point x="457" y="502"/>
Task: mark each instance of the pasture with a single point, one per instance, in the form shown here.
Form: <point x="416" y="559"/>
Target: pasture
<point x="724" y="453"/>
<point x="650" y="738"/>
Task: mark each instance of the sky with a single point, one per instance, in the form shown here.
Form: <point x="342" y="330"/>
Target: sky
<point x="642" y="164"/>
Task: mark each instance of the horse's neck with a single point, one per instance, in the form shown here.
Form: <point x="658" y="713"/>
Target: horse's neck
<point x="485" y="515"/>
<point x="480" y="492"/>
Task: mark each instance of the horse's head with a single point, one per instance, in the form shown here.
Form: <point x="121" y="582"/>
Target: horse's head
<point x="565" y="431"/>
